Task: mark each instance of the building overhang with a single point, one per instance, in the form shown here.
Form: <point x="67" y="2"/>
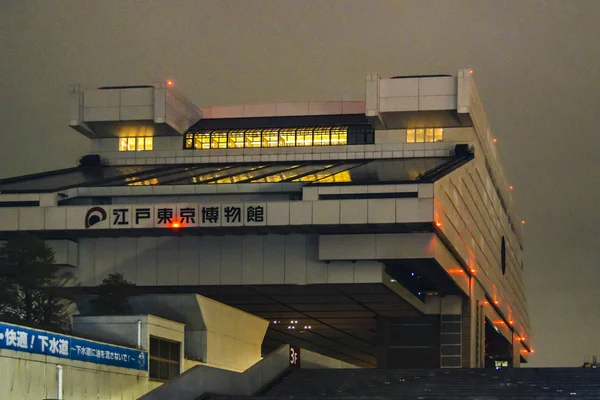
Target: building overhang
<point x="149" y="110"/>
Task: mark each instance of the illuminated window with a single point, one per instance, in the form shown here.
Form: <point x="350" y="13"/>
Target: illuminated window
<point x="235" y="140"/>
<point x="424" y="135"/>
<point x="189" y="141"/>
<point x="253" y="138"/>
<point x="429" y="135"/>
<point x="322" y="136"/>
<point x="287" y="137"/>
<point x="304" y="137"/>
<point x="135" y="143"/>
<point x="218" y="140"/>
<point x="270" y="138"/>
<point x="420" y="135"/>
<point x="280" y="137"/>
<point x="339" y="136"/>
<point x="202" y="141"/>
<point x="343" y="176"/>
<point x="165" y="359"/>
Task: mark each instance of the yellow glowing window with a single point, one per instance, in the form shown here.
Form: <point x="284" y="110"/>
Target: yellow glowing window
<point x="135" y="143"/>
<point x="429" y="135"/>
<point x="339" y="136"/>
<point x="202" y="141"/>
<point x="322" y="137"/>
<point x="287" y="137"/>
<point x="235" y="140"/>
<point x="189" y="141"/>
<point x="304" y="137"/>
<point x="420" y="135"/>
<point x="424" y="135"/>
<point x="218" y="140"/>
<point x="253" y="138"/>
<point x="270" y="138"/>
<point x="343" y="176"/>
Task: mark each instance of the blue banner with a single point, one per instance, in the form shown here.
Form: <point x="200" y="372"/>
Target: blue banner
<point x="14" y="337"/>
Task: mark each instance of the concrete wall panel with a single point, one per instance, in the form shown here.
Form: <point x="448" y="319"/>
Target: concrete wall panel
<point x="295" y="259"/>
<point x="188" y="263"/>
<point x="210" y="260"/>
<point x="274" y="259"/>
<point x="147" y="261"/>
<point x="167" y="257"/>
<point x="231" y="260"/>
<point x="252" y="259"/>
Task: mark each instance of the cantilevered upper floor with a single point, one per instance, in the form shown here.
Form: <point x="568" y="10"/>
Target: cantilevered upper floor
<point x="413" y="161"/>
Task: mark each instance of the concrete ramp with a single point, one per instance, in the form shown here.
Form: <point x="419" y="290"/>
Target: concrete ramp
<point x="215" y="334"/>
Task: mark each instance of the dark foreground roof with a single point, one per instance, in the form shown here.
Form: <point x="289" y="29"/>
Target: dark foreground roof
<point x="379" y="171"/>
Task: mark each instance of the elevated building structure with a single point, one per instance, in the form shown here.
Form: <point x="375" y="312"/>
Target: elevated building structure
<point x="379" y="232"/>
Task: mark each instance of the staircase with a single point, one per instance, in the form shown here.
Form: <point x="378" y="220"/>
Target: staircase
<point x="470" y="384"/>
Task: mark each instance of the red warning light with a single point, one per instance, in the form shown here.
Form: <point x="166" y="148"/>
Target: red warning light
<point x="169" y="83"/>
<point x="175" y="225"/>
<point x="438" y="224"/>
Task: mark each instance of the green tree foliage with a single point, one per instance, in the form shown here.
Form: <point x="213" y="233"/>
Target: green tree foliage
<point x="30" y="284"/>
<point x="112" y="296"/>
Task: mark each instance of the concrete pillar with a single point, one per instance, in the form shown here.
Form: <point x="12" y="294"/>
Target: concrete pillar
<point x="432" y="340"/>
<point x="451" y="341"/>
<point x="516" y="351"/>
<point x="473" y="327"/>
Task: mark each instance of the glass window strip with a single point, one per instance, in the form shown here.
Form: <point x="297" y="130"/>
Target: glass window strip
<point x="216" y="175"/>
<point x="185" y="172"/>
<point x="252" y="173"/>
<point x="424" y="135"/>
<point x="268" y="137"/>
<point x="292" y="173"/>
<point x="312" y="177"/>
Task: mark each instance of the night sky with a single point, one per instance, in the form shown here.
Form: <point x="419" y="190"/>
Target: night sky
<point x="536" y="64"/>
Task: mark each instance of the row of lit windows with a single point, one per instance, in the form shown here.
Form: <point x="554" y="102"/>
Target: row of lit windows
<point x="424" y="135"/>
<point x="253" y="138"/>
<point x="135" y="143"/>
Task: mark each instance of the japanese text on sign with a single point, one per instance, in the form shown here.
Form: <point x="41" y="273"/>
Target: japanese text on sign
<point x="14" y="337"/>
<point x="176" y="216"/>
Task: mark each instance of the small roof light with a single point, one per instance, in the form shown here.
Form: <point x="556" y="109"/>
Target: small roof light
<point x="169" y="83"/>
<point x="511" y="187"/>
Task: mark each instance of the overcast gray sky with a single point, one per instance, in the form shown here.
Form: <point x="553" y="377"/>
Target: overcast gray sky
<point x="536" y="64"/>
